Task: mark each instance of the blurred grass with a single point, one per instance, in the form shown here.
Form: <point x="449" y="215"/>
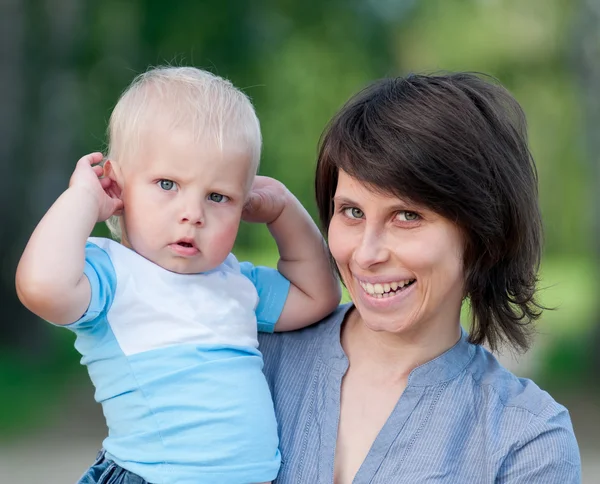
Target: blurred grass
<point x="570" y="285"/>
<point x="30" y="389"/>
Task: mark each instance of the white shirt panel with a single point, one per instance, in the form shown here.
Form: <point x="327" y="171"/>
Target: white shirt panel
<point x="154" y="308"/>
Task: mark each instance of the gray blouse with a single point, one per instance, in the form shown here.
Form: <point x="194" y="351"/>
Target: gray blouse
<point x="463" y="418"/>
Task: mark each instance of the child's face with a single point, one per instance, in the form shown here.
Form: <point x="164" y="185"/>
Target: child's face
<point x="183" y="201"/>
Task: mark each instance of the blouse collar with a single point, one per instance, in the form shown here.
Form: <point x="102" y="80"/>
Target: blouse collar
<point x="444" y="367"/>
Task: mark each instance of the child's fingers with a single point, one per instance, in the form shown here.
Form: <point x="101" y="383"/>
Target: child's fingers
<point x="117" y="205"/>
<point x="252" y="202"/>
<point x="98" y="170"/>
<point x="253" y="205"/>
<point x="90" y="159"/>
<point x="262" y="181"/>
<point x="105" y="182"/>
<point x="262" y="206"/>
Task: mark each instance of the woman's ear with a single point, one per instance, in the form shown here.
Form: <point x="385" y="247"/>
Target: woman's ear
<point x="112" y="171"/>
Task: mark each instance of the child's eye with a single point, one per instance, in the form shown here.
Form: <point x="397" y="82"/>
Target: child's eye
<point x="353" y="212"/>
<point x="218" y="198"/>
<point x="407" y="216"/>
<point x="167" y="185"/>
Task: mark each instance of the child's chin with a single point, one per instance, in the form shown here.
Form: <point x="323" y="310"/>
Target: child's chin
<point x="185" y="267"/>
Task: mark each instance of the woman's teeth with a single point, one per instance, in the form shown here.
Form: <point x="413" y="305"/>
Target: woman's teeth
<point x="387" y="289"/>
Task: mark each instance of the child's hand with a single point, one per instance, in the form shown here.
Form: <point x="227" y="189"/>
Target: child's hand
<point x="266" y="200"/>
<point x="104" y="190"/>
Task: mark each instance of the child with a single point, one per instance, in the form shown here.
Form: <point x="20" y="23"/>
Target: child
<point x="166" y="320"/>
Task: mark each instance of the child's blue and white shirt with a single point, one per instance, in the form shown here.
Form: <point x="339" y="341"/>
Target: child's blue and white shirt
<point x="175" y="364"/>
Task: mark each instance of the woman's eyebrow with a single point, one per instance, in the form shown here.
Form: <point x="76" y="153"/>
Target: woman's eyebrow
<point x="394" y="206"/>
<point x="344" y="201"/>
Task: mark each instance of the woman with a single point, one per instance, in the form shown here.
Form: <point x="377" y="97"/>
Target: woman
<point x="428" y="194"/>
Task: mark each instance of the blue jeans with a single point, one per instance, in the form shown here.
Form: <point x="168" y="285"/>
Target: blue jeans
<point x="105" y="471"/>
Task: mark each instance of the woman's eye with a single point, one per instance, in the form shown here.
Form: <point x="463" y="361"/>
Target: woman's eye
<point x="406" y="216"/>
<point x="218" y="198"/>
<point x="167" y="185"/>
<point x="353" y="212"/>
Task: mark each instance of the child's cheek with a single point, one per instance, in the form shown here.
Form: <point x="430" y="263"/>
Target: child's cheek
<point x="225" y="238"/>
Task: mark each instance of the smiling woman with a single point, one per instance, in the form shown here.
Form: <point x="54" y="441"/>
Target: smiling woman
<point x="428" y="194"/>
<point x="379" y="241"/>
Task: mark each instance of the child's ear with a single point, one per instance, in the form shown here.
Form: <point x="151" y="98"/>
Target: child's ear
<point x="112" y="171"/>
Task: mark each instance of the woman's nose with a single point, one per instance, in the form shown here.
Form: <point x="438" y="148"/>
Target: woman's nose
<point x="371" y="250"/>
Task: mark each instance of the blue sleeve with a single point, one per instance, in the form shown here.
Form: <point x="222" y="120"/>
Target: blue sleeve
<point x="546" y="452"/>
<point x="272" y="290"/>
<point x="103" y="281"/>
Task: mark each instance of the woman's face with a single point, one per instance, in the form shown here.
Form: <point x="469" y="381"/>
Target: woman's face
<point x="402" y="264"/>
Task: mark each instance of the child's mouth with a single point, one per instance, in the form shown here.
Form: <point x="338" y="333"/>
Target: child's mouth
<point x="185" y="248"/>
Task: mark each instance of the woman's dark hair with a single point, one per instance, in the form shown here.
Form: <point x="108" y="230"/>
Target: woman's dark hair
<point x="456" y="144"/>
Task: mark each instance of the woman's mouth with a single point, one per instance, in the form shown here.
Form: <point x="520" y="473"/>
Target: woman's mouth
<point x="387" y="289"/>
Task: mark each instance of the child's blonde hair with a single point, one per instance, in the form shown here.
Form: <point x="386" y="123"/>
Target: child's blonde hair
<point x="209" y="106"/>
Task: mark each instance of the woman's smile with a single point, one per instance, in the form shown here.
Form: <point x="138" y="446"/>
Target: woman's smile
<point x="385" y="289"/>
<point x="385" y="295"/>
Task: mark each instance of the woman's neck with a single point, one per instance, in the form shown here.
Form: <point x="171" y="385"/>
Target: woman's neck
<point x="393" y="356"/>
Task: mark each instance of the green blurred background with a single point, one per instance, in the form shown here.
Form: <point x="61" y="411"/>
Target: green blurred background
<point x="65" y="62"/>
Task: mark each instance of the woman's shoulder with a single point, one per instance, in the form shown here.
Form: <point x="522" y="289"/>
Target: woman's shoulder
<point x="309" y="333"/>
<point x="508" y="390"/>
<point x="528" y="422"/>
<point x="284" y="351"/>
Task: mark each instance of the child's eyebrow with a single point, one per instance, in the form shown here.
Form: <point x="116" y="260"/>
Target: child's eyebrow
<point x="226" y="187"/>
<point x="168" y="174"/>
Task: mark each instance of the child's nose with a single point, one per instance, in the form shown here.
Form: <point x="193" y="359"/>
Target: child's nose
<point x="193" y="215"/>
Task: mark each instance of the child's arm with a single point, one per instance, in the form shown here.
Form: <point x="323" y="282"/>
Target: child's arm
<point x="303" y="257"/>
<point x="50" y="280"/>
